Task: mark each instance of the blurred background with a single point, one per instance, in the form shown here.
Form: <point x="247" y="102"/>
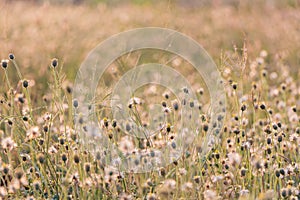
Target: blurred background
<point x="38" y="30"/>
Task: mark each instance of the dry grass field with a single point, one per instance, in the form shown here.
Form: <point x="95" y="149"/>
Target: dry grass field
<point x="256" y="47"/>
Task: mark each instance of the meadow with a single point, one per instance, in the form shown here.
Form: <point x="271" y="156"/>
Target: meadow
<point x="256" y="47"/>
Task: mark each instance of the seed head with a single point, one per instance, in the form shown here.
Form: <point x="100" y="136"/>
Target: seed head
<point x="25" y="84"/>
<point x="87" y="167"/>
<point x="54" y="62"/>
<point x="76" y="159"/>
<point x="175" y="105"/>
<point x="64" y="157"/>
<point x="243" y="172"/>
<point x="114" y="123"/>
<point x="168" y="127"/>
<point x="11" y="56"/>
<point x="4" y="63"/>
<point x="197" y="179"/>
<point x="262" y="106"/>
<point x="75" y="103"/>
<point x="294" y="108"/>
<point x="234" y="85"/>
<point x="19" y="174"/>
<point x="41" y="158"/>
<point x="243" y="108"/>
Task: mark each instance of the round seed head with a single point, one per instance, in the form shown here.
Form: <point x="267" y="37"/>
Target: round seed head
<point x="11" y="56"/>
<point x="54" y="62"/>
<point x="25" y="83"/>
<point x="4" y="64"/>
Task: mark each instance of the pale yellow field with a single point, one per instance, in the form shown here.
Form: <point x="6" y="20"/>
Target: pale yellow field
<point x="256" y="47"/>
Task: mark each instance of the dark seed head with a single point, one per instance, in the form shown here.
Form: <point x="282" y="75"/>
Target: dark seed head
<point x="175" y="106"/>
<point x="284" y="193"/>
<point x="262" y="106"/>
<point x="11" y="56"/>
<point x="4" y="64"/>
<point x="243" y="108"/>
<point x="75" y="103"/>
<point x="5" y="169"/>
<point x="234" y="86"/>
<point x="279" y="138"/>
<point x="19" y="174"/>
<point x="243" y="172"/>
<point x="87" y="167"/>
<point x="25" y="118"/>
<point x="282" y="172"/>
<point x="54" y="62"/>
<point x="64" y="157"/>
<point x="25" y="83"/>
<point x="41" y="158"/>
<point x="76" y="159"/>
<point x="192" y="104"/>
<point x="205" y="127"/>
<point x="24" y="159"/>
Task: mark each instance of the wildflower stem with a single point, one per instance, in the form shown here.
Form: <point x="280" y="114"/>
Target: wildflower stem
<point x="17" y="68"/>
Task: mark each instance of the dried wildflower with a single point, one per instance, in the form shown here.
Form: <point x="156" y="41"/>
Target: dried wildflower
<point x="151" y="196"/>
<point x="243" y="107"/>
<point x="114" y="123"/>
<point x="5" y="168"/>
<point x="264" y="73"/>
<point x="187" y="187"/>
<point x="76" y="158"/>
<point x="197" y="179"/>
<point x="11" y="56"/>
<point x="234" y="158"/>
<point x="3" y="192"/>
<point x="210" y="195"/>
<point x="167" y="110"/>
<point x="162" y="172"/>
<point x="243" y="172"/>
<point x="134" y="101"/>
<point x="234" y="85"/>
<point x="294" y="108"/>
<point x="284" y="192"/>
<point x="170" y="184"/>
<point x="175" y="105"/>
<point x="47" y="116"/>
<point x="217" y="178"/>
<point x="64" y="157"/>
<point x="185" y="90"/>
<point x="125" y="196"/>
<point x="244" y="193"/>
<point x="8" y="144"/>
<point x="36" y="185"/>
<point x="41" y="158"/>
<point x="126" y="145"/>
<point x="168" y="127"/>
<point x="182" y="171"/>
<point x="33" y="133"/>
<point x="25" y="83"/>
<point x="262" y="106"/>
<point x="54" y="62"/>
<point x="4" y="63"/>
<point x="87" y="167"/>
<point x="166" y="95"/>
<point x="75" y="103"/>
<point x="52" y="150"/>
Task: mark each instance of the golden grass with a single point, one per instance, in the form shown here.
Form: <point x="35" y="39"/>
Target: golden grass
<point x="258" y="156"/>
